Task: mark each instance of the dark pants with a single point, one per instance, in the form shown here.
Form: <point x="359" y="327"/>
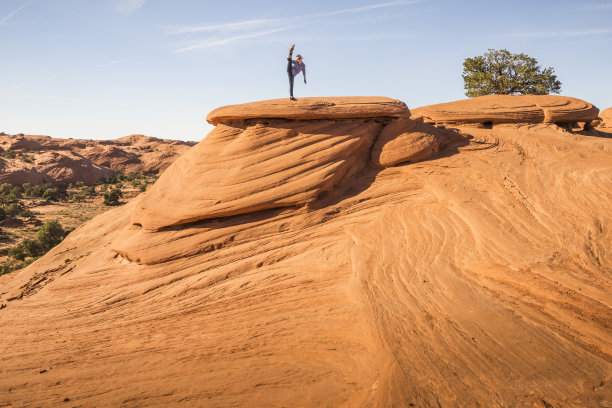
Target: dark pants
<point x="290" y="73"/>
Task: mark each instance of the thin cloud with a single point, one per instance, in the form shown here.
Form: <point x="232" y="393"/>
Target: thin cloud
<point x="7" y="18"/>
<point x="18" y="86"/>
<point x="115" y="62"/>
<point x="129" y="6"/>
<point x="364" y="8"/>
<point x="597" y="6"/>
<point x="249" y="26"/>
<point x="255" y="23"/>
<point x="209" y="43"/>
<point x="237" y="26"/>
<point x="562" y="34"/>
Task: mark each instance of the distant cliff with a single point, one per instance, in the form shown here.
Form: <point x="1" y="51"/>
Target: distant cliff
<point x="42" y="159"/>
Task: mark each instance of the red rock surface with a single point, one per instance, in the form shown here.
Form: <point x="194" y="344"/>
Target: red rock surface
<point x="311" y="108"/>
<point x="606" y="117"/>
<point x="510" y="109"/>
<point x="89" y="161"/>
<point x="478" y="277"/>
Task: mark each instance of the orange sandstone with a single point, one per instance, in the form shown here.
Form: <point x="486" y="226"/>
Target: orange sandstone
<point x="510" y="109"/>
<point x="480" y="276"/>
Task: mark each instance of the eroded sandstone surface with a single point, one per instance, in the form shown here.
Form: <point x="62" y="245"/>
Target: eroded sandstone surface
<point x="43" y="159"/>
<point x="510" y="109"/>
<point x="606" y="117"/>
<point x="405" y="265"/>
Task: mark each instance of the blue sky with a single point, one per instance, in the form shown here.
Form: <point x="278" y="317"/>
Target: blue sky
<point x="103" y="69"/>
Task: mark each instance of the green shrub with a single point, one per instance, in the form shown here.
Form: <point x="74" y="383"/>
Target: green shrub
<point x="2" y="214"/>
<point x="27" y="158"/>
<point x="9" y="154"/>
<point x="13" y="209"/>
<point x="27" y="214"/>
<point x="112" y="196"/>
<point x="33" y="191"/>
<point x="52" y="194"/>
<point x="88" y="191"/>
<point x="49" y="235"/>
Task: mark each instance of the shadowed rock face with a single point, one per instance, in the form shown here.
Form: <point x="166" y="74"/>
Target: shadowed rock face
<point x="255" y="163"/>
<point x="479" y="276"/>
<point x="510" y="109"/>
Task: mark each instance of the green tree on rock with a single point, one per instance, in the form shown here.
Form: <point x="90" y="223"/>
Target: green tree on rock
<point x="499" y="72"/>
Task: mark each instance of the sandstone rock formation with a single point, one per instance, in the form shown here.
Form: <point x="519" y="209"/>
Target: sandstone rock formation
<point x="287" y="158"/>
<point x="478" y="277"/>
<point x="492" y="109"/>
<point x="311" y="108"/>
<point x="88" y="161"/>
<point x="56" y="167"/>
<point x="606" y="117"/>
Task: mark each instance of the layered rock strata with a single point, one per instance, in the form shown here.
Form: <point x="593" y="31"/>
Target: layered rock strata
<point x="494" y="109"/>
<point x="276" y="153"/>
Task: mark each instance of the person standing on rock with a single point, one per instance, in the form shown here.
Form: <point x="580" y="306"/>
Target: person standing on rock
<point x="294" y="68"/>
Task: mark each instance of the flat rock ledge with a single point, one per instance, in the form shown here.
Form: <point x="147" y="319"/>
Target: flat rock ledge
<point x="312" y="108"/>
<point x="493" y="109"/>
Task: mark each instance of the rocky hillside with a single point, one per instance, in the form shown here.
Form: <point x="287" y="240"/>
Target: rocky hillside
<point x="337" y="252"/>
<point x="42" y="159"/>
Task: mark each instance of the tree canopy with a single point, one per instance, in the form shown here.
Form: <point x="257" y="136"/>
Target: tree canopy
<point x="499" y="72"/>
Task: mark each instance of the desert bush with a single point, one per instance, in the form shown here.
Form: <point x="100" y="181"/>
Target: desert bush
<point x="30" y="190"/>
<point x="9" y="154"/>
<point x="76" y="197"/>
<point x="89" y="191"/>
<point x="10" y="193"/>
<point x="27" y="214"/>
<point x="2" y="214"/>
<point x="13" y="209"/>
<point x="112" y="196"/>
<point x="27" y="158"/>
<point x="143" y="187"/>
<point x="52" y="194"/>
<point x="49" y="235"/>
